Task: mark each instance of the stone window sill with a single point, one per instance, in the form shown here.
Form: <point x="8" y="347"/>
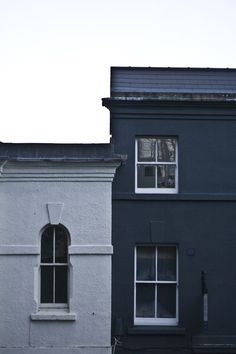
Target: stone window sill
<point x="156" y="330"/>
<point x="53" y="315"/>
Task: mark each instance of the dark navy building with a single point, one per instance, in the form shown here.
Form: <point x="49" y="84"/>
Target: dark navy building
<point x="174" y="210"/>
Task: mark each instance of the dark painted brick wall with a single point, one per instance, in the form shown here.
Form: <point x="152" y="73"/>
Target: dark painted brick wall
<point x="200" y="219"/>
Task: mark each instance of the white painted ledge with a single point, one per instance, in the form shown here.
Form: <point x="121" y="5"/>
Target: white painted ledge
<point x="53" y="316"/>
<point x="73" y="249"/>
<point x="57" y="350"/>
<point x="90" y="249"/>
<point x="19" y="249"/>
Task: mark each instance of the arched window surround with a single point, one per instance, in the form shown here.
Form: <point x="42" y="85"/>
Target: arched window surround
<point x="54" y="266"/>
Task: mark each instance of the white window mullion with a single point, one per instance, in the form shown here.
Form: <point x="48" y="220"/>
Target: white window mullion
<point x="54" y="283"/>
<point x="145" y="282"/>
<point x="156" y="178"/>
<point x="156" y="163"/>
<point x="177" y="284"/>
<point x="176" y="170"/>
<point x="136" y="169"/>
<point x="54" y="260"/>
<point x="53" y="264"/>
<point x="135" y="279"/>
<point x="156" y="277"/>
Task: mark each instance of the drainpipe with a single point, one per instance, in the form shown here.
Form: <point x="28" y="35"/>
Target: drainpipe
<point x="205" y="301"/>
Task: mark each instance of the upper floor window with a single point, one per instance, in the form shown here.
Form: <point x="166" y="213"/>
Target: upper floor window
<point x="156" y="285"/>
<point x="54" y="266"/>
<point x="156" y="165"/>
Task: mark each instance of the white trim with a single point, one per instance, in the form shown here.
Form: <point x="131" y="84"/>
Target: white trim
<point x="49" y="306"/>
<point x="156" y="271"/>
<point x="156" y="190"/>
<point x="53" y="315"/>
<point x="177" y="283"/>
<point x="135" y="281"/>
<point x="53" y="265"/>
<point x="155" y="281"/>
<point x="156" y="321"/>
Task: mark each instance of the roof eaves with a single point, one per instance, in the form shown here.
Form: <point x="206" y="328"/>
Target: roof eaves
<point x="173" y="96"/>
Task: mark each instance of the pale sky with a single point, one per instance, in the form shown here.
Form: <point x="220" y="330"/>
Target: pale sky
<point x="55" y="57"/>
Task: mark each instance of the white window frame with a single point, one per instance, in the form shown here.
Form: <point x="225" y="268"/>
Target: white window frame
<point x="155" y="321"/>
<point x="54" y="305"/>
<point x="156" y="190"/>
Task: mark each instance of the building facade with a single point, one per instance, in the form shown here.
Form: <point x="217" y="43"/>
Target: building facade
<point x="55" y="248"/>
<point x="174" y="210"/>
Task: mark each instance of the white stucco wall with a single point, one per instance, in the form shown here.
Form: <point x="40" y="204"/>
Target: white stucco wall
<point x="30" y="195"/>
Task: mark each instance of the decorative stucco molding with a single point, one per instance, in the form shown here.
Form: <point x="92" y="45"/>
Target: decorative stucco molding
<point x="53" y="316"/>
<point x="19" y="250"/>
<point x="55" y="212"/>
<point x="60" y="171"/>
<point x="73" y="250"/>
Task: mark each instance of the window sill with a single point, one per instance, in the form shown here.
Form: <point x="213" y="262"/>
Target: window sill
<point x="53" y="315"/>
<point x="156" y="330"/>
<point x="156" y="191"/>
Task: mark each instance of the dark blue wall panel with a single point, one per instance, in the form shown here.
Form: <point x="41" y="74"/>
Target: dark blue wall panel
<point x="200" y="219"/>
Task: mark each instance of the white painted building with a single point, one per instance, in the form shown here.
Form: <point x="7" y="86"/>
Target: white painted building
<point x="55" y="248"/>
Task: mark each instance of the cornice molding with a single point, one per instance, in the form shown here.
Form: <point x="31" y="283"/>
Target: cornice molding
<point x="165" y="101"/>
<point x="58" y="171"/>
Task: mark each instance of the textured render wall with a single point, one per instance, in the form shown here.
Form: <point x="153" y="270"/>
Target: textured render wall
<point x="87" y="215"/>
<point x="87" y="208"/>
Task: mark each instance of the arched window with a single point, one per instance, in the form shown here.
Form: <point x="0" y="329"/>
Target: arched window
<point x="54" y="266"/>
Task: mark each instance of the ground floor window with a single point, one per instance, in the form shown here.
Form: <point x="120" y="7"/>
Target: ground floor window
<point x="156" y="285"/>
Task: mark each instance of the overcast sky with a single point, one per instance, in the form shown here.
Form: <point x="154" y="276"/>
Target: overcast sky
<point x="55" y="57"/>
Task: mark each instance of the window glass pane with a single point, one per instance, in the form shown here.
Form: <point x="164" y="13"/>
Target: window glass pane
<point x="166" y="263"/>
<point x="166" y="300"/>
<point x="60" y="246"/>
<point x="146" y="149"/>
<point x="166" y="176"/>
<point x="145" y="263"/>
<point x="166" y="149"/>
<point x="46" y="284"/>
<point x="47" y="245"/>
<point x="145" y="300"/>
<point x="61" y="284"/>
<point x="146" y="176"/>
